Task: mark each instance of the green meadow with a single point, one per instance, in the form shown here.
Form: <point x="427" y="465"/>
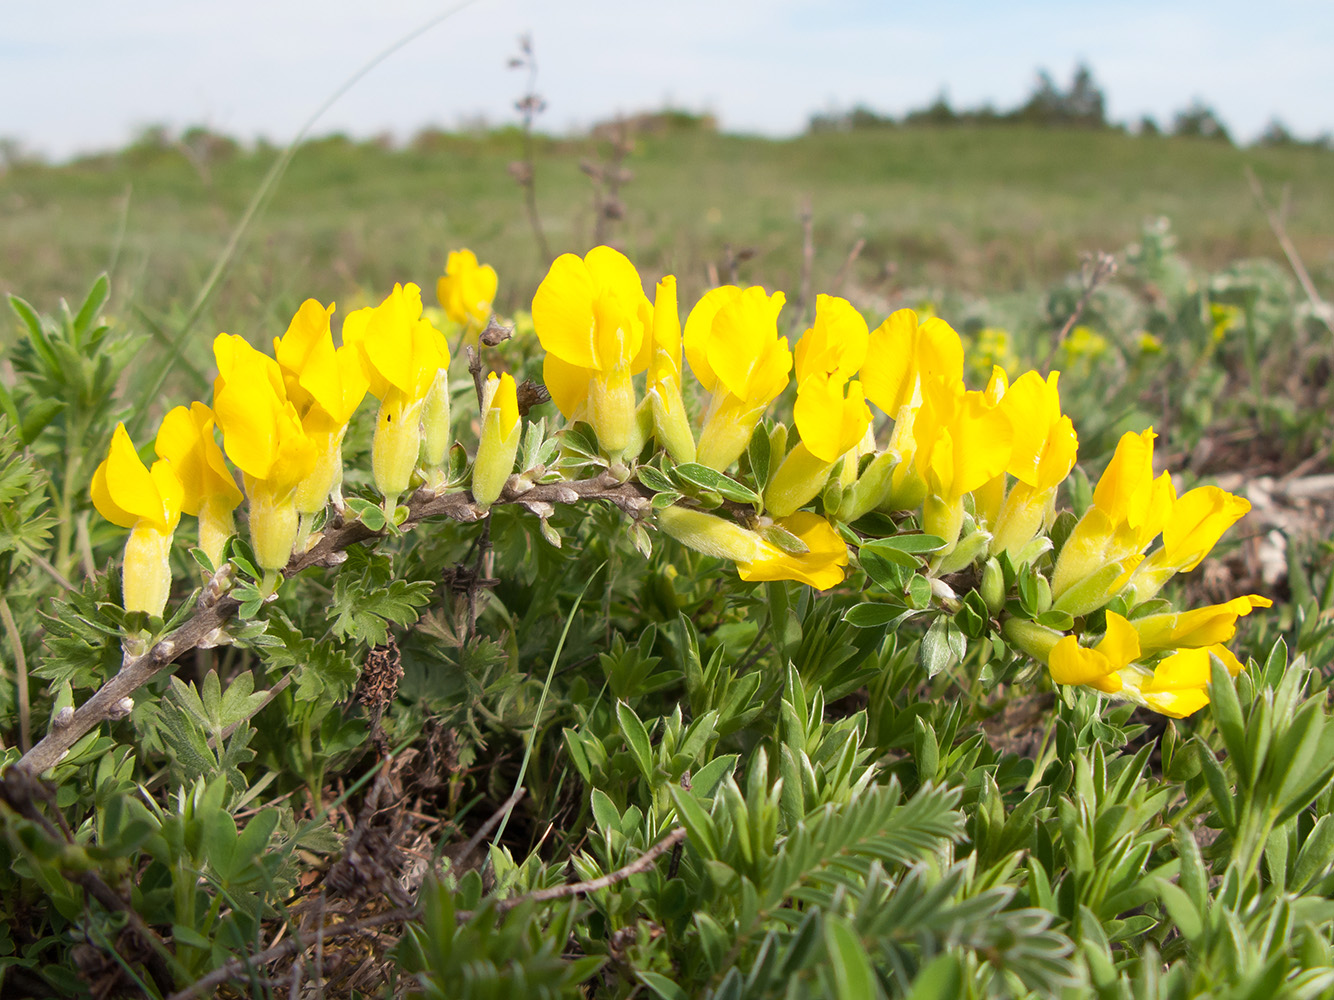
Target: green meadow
<point x="976" y="210"/>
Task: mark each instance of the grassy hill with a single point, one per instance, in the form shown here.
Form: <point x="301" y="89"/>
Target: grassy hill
<point x="974" y="210"/>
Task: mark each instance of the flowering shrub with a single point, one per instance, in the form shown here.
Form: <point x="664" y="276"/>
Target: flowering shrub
<point x="752" y="790"/>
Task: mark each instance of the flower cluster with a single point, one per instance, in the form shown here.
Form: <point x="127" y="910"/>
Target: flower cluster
<point x="976" y="472"/>
<point x="282" y="419"/>
<point x="884" y="440"/>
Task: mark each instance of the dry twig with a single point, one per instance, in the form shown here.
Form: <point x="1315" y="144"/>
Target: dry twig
<point x="1096" y="269"/>
<point x="238" y="966"/>
<point x="1277" y="223"/>
<point x="113" y="699"/>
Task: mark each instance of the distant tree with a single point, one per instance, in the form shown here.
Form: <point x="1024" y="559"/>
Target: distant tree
<point x="1148" y="125"/>
<point x="938" y="112"/>
<point x="1082" y="106"/>
<point x="152" y="137"/>
<point x="1200" y="121"/>
<point x="1277" y="134"/>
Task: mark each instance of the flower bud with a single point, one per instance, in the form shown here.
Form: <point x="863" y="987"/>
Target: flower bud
<point x="992" y="587"/>
<point x="499" y="442"/>
<point x="146" y="575"/>
<point x="435" y="423"/>
<point x="1031" y="638"/>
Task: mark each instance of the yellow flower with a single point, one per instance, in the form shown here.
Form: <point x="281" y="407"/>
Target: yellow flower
<point x="1148" y="343"/>
<point x="671" y="425"/>
<point x="836" y="343"/>
<point x="902" y="353"/>
<point x="1082" y="342"/>
<point x="1071" y="663"/>
<point x="1180" y="683"/>
<point x="1222" y="318"/>
<point x="1128" y="511"/>
<point x="821" y="566"/>
<point x="732" y="344"/>
<point x="326" y="385"/>
<point x="1197" y="521"/>
<point x="209" y="492"/>
<point x="594" y="321"/>
<point x="991" y="348"/>
<point x="402" y="354"/>
<point x="467" y="290"/>
<point x="263" y="435"/>
<point x="1207" y="626"/>
<point x="961" y="441"/>
<point x="148" y="502"/>
<point x="499" y="441"/>
<point x="831" y="424"/>
<point x="1042" y="455"/>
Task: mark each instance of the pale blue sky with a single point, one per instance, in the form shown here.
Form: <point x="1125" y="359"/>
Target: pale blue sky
<point x="84" y="74"/>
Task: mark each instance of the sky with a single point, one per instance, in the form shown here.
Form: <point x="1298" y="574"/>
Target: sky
<point x="84" y="75"/>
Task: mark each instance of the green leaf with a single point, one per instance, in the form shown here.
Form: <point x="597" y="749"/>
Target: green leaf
<point x="698" y="823"/>
<point x="870" y="615"/>
<point x="926" y="750"/>
<point x="605" y="813"/>
<point x="710" y="479"/>
<point x="365" y="605"/>
<point x="854" y="977"/>
<point x="636" y="739"/>
<point x="942" y="979"/>
<point x="661" y="985"/>
<point x="706" y="780"/>
<point x="655" y="480"/>
<point x="368" y="513"/>
<point x="942" y="646"/>
<point x="1179" y="908"/>
<point x="757" y="451"/>
<point x="919" y="592"/>
<point x="92" y="305"/>
<point x="1226" y="711"/>
<point x="914" y="542"/>
<point x="887" y="571"/>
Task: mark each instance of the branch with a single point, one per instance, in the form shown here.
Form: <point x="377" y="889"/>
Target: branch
<point x="238" y="966"/>
<point x="113" y="700"/>
<point x="1097" y="269"/>
<point x="1275" y="219"/>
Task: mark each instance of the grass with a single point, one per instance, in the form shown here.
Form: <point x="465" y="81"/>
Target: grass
<point x="975" y="210"/>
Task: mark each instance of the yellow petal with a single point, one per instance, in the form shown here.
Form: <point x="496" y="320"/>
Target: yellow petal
<point x="1120" y="644"/>
<point x="591" y="312"/>
<point x="1197" y="521"/>
<point x="567" y="383"/>
<point x="186" y="440"/>
<point x="835" y="345"/>
<point x="744" y="349"/>
<point x="124" y="491"/>
<point x="901" y="353"/>
<point x="699" y="333"/>
<point x="1207" y="626"/>
<point x="666" y="360"/>
<point x="1126" y="475"/>
<point x="1071" y="663"/>
<point x="830" y="424"/>
<point x="821" y="566"/>
<point x="467" y="289"/>
<point x="1034" y="409"/>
